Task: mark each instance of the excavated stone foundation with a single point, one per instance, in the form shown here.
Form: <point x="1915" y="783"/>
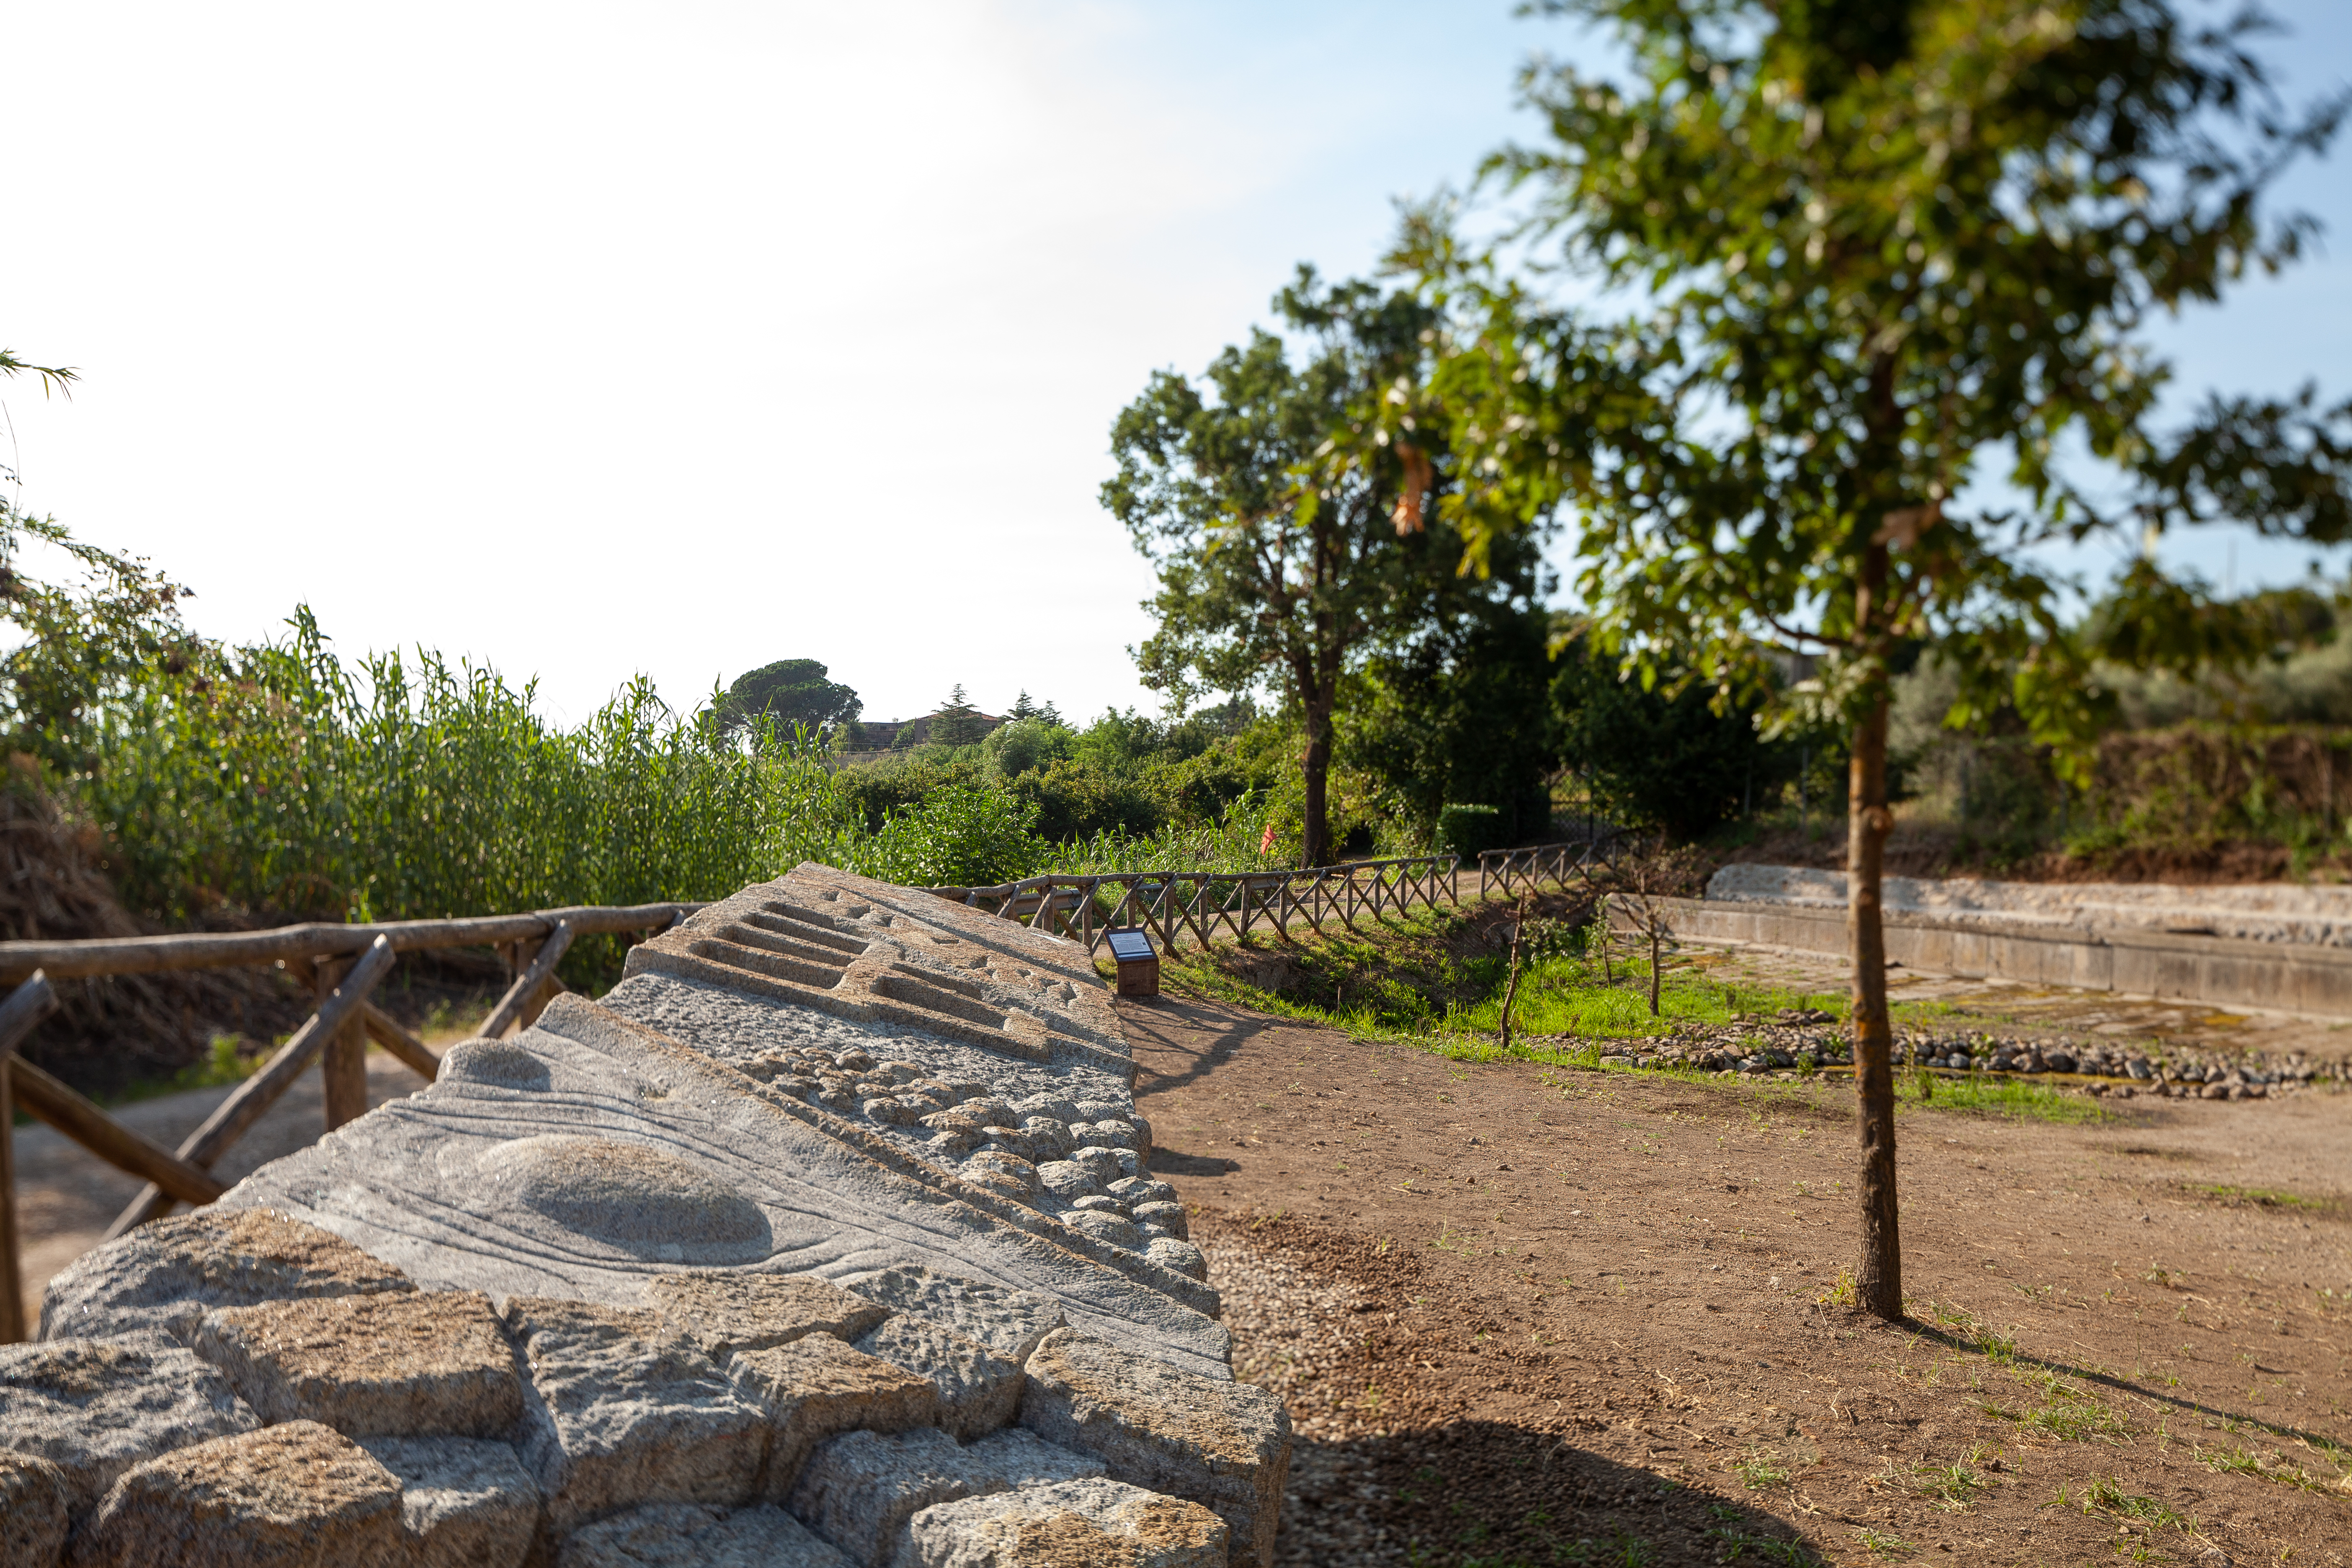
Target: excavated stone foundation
<point x="824" y="1238"/>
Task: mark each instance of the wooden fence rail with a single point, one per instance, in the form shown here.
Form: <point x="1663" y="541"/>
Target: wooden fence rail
<point x="1172" y="902"/>
<point x="1509" y="872"/>
<point x="342" y="963"/>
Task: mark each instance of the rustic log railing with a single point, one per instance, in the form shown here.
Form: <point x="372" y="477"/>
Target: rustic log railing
<point x="1173" y="902"/>
<point x="1508" y="871"/>
<point x="343" y="964"/>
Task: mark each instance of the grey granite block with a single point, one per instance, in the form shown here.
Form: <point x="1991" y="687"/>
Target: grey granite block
<point x="463" y="1501"/>
<point x="689" y="1535"/>
<point x="295" y="1496"/>
<point x="1065" y="1522"/>
<point x="97" y="1407"/>
<point x="410" y="1362"/>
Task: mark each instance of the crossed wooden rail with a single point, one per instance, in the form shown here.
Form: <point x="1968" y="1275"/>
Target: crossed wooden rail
<point x="1509" y="872"/>
<point x="1171" y="902"/>
<point x="342" y="963"/>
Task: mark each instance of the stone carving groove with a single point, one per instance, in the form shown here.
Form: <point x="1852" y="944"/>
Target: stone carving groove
<point x="758" y="1248"/>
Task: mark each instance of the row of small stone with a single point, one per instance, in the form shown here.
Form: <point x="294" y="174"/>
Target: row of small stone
<point x="1080" y="1159"/>
<point x="2184" y="1076"/>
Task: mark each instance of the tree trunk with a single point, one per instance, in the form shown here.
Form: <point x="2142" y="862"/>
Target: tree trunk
<point x="1878" y="1282"/>
<point x="1654" y="962"/>
<point x="1317" y="848"/>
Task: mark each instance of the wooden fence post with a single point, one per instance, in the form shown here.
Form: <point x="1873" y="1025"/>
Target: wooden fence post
<point x="515" y="1006"/>
<point x="256" y="1094"/>
<point x="343" y="1068"/>
<point x="27" y="1005"/>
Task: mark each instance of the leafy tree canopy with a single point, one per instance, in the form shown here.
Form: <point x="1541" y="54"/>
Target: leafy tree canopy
<point x="1283" y="506"/>
<point x="791" y="692"/>
<point x="957" y="722"/>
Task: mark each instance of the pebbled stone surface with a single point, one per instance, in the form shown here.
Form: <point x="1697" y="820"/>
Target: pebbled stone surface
<point x="621" y="1411"/>
<point x="407" y="1362"/>
<point x="859" y="1490"/>
<point x="463" y="1501"/>
<point x="725" y="1313"/>
<point x="165" y="1274"/>
<point x="35" y="1508"/>
<point x="816" y="1387"/>
<point x="1224" y="1445"/>
<point x="691" y="1535"/>
<point x="1010" y="1322"/>
<point x="295" y="1495"/>
<point x="95" y="1407"/>
<point x="978" y="1390"/>
<point x="1064" y="1524"/>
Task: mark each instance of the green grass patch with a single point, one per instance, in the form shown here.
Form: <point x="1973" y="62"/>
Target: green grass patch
<point x="2105" y="1494"/>
<point x="1996" y="1094"/>
<point x="2255" y="1198"/>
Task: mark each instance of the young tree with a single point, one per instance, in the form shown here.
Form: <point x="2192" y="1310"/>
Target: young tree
<point x="1887" y="248"/>
<point x="957" y="722"/>
<point x="1284" y="509"/>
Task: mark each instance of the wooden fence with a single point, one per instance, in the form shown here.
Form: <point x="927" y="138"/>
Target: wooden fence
<point x="341" y="963"/>
<point x="1509" y="872"/>
<point x="1171" y="902"/>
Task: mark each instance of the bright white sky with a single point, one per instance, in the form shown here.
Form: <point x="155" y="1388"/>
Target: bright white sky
<point x="594" y="339"/>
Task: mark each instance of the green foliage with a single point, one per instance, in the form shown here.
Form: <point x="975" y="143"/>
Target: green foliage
<point x="1461" y="713"/>
<point x="957" y="722"/>
<point x="1286" y="518"/>
<point x="1657" y="756"/>
<point x="1020" y="744"/>
<point x="791" y="693"/>
<point x="1868" y="284"/>
<point x="1465" y="830"/>
<point x="960" y="836"/>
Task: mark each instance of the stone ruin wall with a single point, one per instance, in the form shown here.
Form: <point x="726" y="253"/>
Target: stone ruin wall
<point x="824" y="1238"/>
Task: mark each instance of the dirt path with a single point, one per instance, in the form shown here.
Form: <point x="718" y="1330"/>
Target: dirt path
<point x="1534" y="1315"/>
<point x="67" y="1196"/>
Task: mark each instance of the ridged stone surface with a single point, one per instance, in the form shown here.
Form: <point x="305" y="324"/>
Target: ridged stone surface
<point x="758" y="1259"/>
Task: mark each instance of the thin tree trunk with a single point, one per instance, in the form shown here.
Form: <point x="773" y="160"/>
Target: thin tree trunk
<point x="1511" y="990"/>
<point x="1653" y="963"/>
<point x="1878" y="1282"/>
<point x="1317" y="848"/>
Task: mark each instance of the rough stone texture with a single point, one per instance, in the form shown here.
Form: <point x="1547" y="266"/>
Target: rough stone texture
<point x="687" y="1535"/>
<point x="411" y="1362"/>
<point x="463" y="1501"/>
<point x="1064" y="1525"/>
<point x="725" y="1313"/>
<point x="816" y="1387"/>
<point x="95" y="1407"/>
<point x="858" y="1491"/>
<point x="300" y="1495"/>
<point x="754" y="1098"/>
<point x="1225" y="1444"/>
<point x="1013" y="1324"/>
<point x="979" y="1390"/>
<point x="163" y="1275"/>
<point x="33" y="1511"/>
<point x="824" y="1110"/>
<point x="621" y="1411"/>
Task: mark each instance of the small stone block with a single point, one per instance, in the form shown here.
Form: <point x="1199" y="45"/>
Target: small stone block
<point x="33" y="1511"/>
<point x="1223" y="1445"/>
<point x="621" y="1411"/>
<point x="415" y="1363"/>
<point x="163" y="1275"/>
<point x="725" y="1313"/>
<point x="294" y="1496"/>
<point x="979" y="1390"/>
<point x="859" y="1490"/>
<point x="463" y="1501"/>
<point x="94" y="1408"/>
<point x="1063" y="1523"/>
<point x="816" y="1387"/>
<point x="692" y="1535"/>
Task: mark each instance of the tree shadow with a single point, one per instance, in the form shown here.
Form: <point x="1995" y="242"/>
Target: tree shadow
<point x="1485" y="1494"/>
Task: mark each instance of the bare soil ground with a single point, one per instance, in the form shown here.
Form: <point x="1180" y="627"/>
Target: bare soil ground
<point x="1532" y="1315"/>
